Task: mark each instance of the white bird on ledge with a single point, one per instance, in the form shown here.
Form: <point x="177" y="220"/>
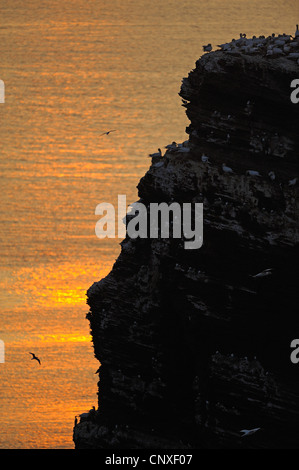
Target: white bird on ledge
<point x="226" y="169"/>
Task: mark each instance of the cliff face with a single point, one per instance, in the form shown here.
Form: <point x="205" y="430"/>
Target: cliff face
<point x="192" y="347"/>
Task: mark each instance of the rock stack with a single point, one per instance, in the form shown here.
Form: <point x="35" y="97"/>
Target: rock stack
<point x="194" y="345"/>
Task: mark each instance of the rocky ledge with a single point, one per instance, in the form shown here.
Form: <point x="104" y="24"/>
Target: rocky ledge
<point x="193" y="346"/>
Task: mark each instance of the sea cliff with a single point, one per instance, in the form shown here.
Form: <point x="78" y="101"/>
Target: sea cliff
<point x="193" y="346"/>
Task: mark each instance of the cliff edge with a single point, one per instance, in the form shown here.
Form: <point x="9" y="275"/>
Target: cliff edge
<point x="194" y="345"/>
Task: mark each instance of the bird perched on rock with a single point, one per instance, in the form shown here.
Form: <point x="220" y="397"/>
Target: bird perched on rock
<point x="207" y="48"/>
<point x="35" y="357"/>
<point x="265" y="273"/>
<point x="171" y="146"/>
<point x="226" y="169"/>
<point x="157" y="154"/>
<point x="252" y="173"/>
<point x="293" y="182"/>
<point x="158" y="164"/>
<point x="293" y="55"/>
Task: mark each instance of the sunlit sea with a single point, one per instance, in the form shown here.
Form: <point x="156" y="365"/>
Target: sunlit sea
<point x="73" y="70"/>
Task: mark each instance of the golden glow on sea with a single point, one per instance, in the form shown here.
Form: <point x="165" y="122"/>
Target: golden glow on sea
<point x="62" y="338"/>
<point x="51" y="287"/>
<point x="73" y="70"/>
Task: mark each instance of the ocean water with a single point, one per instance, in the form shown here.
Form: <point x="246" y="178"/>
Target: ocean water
<point x="73" y="70"/>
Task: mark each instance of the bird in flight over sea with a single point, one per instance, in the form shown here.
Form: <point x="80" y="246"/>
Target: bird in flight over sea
<point x="108" y="132"/>
<point x="34" y="357"/>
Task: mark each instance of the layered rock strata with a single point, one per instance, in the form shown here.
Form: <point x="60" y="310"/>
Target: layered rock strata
<point x="193" y="347"/>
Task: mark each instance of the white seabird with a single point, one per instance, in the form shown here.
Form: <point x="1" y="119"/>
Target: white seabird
<point x="271" y="175"/>
<point x="224" y="47"/>
<point x="171" y="146"/>
<point x="204" y="158"/>
<point x="159" y="164"/>
<point x="293" y="182"/>
<point x="226" y="169"/>
<point x="279" y="42"/>
<point x="252" y="173"/>
<point x="184" y="149"/>
<point x="249" y="432"/>
<point x="207" y="48"/>
<point x="265" y="273"/>
<point x="277" y="50"/>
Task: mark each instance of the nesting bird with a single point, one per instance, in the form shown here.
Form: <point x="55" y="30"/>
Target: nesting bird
<point x="293" y="182"/>
<point x="204" y="158"/>
<point x="207" y="48"/>
<point x="252" y="173"/>
<point x="157" y="154"/>
<point x="272" y="47"/>
<point x="171" y="146"/>
<point x="226" y="168"/>
<point x="265" y="273"/>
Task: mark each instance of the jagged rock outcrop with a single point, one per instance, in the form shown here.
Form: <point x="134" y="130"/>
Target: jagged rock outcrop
<point x="192" y="347"/>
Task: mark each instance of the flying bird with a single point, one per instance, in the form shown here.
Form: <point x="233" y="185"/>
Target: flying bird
<point x="34" y="357"/>
<point x="108" y="132"/>
<point x="249" y="432"/>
